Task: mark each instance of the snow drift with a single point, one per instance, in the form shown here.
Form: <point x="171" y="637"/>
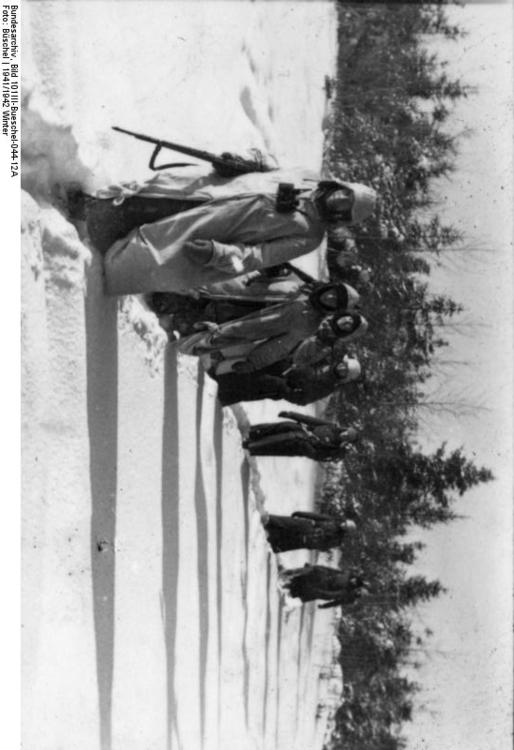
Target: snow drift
<point x="150" y="606"/>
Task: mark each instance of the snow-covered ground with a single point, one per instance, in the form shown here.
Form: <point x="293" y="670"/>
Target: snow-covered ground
<point x="152" y="618"/>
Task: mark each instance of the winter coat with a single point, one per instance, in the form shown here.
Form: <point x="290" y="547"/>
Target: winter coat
<point x="319" y="582"/>
<point x="224" y="302"/>
<point x="238" y="215"/>
<point x="247" y="233"/>
<point x="198" y="185"/>
<point x="313" y="382"/>
<point x="327" y="346"/>
<point x="303" y="530"/>
<point x="259" y="339"/>
<point x="235" y="387"/>
<point x="300" y="385"/>
<point x="306" y="436"/>
<point x="283" y="380"/>
<point x="322" y="431"/>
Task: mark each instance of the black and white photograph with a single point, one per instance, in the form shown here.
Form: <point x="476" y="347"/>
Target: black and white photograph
<point x="266" y="373"/>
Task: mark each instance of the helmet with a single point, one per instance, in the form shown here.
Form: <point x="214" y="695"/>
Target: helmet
<point x="348" y="369"/>
<point x="330" y="297"/>
<point x="348" y="325"/>
<point x="349" y="435"/>
<point x="353" y="297"/>
<point x="351" y="198"/>
<point x="364" y="201"/>
<point x="349" y="526"/>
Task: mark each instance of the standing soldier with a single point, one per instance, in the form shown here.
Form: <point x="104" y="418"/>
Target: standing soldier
<point x="304" y="530"/>
<point x="301" y="435"/>
<point x="263" y="338"/>
<point x="336" y="587"/>
<point x="178" y="233"/>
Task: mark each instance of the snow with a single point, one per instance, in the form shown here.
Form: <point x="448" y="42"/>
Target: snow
<point x="151" y="611"/>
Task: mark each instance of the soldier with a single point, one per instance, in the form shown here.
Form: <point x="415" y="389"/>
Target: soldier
<point x="300" y="435"/>
<point x="263" y="338"/>
<point x="301" y="386"/>
<point x="337" y="587"/>
<point x="304" y="530"/>
<point x="210" y="228"/>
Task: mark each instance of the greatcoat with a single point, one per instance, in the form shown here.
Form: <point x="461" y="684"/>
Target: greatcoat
<point x="238" y="215"/>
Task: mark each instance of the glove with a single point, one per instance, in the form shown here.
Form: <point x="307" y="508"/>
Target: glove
<point x="200" y="251"/>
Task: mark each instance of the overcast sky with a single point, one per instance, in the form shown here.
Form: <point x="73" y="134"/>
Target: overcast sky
<point x="467" y="680"/>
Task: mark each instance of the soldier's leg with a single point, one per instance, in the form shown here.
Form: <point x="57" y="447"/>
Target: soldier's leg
<point x="274" y="445"/>
<point x="107" y="222"/>
<point x="268" y="429"/>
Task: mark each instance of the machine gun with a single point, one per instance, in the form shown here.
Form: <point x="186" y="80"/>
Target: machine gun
<point x="226" y="165"/>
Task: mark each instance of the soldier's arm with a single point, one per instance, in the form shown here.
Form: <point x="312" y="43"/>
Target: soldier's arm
<point x="327" y="605"/>
<point x="313" y="516"/>
<point x="262" y="255"/>
<point x="306" y="419"/>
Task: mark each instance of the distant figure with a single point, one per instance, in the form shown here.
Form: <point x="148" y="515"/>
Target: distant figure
<point x="303" y="435"/>
<point x="304" y="530"/>
<point x="329" y="85"/>
<point x="337" y="587"/>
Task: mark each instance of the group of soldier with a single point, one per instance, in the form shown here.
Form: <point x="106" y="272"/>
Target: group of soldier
<point x="211" y="253"/>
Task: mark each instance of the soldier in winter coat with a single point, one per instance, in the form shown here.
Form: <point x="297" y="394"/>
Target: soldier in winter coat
<point x="301" y="386"/>
<point x="337" y="587"/>
<point x="304" y="530"/>
<point x="210" y="228"/>
<point x="301" y="435"/>
<point x="244" y="295"/>
<point x="310" y="383"/>
<point x="263" y="338"/>
<point x="329" y="341"/>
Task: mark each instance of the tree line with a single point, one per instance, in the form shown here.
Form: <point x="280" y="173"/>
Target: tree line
<point x="391" y="100"/>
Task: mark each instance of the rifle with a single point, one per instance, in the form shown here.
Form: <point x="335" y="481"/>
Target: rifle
<point x="309" y="281"/>
<point x="227" y="165"/>
<point x="303" y="275"/>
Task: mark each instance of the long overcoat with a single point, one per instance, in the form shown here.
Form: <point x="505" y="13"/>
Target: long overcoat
<point x="238" y="215"/>
<point x="319" y="582"/>
<point x="259" y="339"/>
<point x="303" y="530"/>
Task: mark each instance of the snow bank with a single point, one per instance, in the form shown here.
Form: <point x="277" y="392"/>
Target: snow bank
<point x="151" y="611"/>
